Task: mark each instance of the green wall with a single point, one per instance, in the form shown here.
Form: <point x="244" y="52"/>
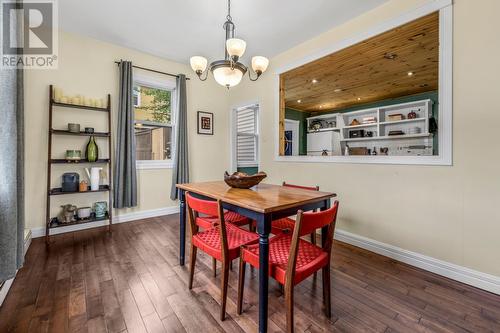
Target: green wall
<point x="300" y="116"/>
<point x="249" y="170"/>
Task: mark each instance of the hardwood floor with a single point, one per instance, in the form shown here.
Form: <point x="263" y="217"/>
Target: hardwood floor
<point x="131" y="282"/>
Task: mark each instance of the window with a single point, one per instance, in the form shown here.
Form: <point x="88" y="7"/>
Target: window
<point x="153" y="123"/>
<point x="247" y="138"/>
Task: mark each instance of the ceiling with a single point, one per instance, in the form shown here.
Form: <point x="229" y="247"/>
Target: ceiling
<point x="363" y="73"/>
<point x="178" y="29"/>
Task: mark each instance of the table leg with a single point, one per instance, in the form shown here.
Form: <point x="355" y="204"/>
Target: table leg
<point x="182" y="221"/>
<point x="263" y="229"/>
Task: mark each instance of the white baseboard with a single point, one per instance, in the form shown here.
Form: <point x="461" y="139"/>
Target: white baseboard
<point x="466" y="275"/>
<point x="119" y="218"/>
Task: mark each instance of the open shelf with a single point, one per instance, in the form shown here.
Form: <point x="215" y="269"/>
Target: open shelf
<point x="65" y="132"/>
<point x="388" y="137"/>
<point x="77" y="106"/>
<point x="324" y="129"/>
<point x="402" y="121"/>
<point x="58" y="190"/>
<point x="64" y="161"/>
<point x="90" y="220"/>
<point x="361" y="125"/>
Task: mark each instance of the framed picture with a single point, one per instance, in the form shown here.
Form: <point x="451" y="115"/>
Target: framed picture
<point x="205" y="123"/>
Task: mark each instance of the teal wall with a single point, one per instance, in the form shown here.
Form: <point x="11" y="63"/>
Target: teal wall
<point x="249" y="170"/>
<point x="300" y="116"/>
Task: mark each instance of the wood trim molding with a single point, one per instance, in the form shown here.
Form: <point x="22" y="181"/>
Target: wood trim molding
<point x="455" y="272"/>
<point x="445" y="90"/>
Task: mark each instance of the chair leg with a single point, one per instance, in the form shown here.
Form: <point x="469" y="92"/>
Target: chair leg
<point x="231" y="265"/>
<point x="241" y="285"/>
<point x="224" y="284"/>
<point x="313" y="238"/>
<point x="192" y="262"/>
<point x="214" y="266"/>
<point x="289" y="308"/>
<point x="327" y="301"/>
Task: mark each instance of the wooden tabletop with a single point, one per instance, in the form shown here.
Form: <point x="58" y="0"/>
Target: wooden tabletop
<point x="263" y="198"/>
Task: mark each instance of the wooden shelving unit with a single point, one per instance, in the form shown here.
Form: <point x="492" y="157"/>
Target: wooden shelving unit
<point x="51" y="161"/>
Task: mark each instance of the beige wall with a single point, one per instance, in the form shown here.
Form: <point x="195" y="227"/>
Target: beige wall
<point x="449" y="213"/>
<point x="86" y="66"/>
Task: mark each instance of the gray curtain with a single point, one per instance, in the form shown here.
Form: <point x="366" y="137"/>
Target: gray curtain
<point x="125" y="176"/>
<point x="11" y="172"/>
<point x="180" y="172"/>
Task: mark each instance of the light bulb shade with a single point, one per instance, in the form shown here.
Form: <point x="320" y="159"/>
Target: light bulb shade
<point x="227" y="77"/>
<point x="259" y="64"/>
<point x="198" y="64"/>
<point x="236" y="47"/>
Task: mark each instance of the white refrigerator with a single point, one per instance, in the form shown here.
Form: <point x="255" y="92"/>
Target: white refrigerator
<point x="318" y="142"/>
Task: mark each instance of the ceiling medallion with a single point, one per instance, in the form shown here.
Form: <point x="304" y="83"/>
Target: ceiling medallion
<point x="230" y="71"/>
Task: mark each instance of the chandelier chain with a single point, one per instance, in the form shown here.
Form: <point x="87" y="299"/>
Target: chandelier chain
<point x="228" y="17"/>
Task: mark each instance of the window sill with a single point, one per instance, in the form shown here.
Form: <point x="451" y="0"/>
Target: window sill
<point x="154" y="164"/>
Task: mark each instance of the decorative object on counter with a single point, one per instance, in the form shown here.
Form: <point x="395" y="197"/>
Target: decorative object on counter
<point x="243" y="180"/>
<point x="324" y="152"/>
<point x="412" y="115"/>
<point x="369" y="120"/>
<point x="74" y="128"/>
<point x="101" y="209"/>
<point x="354" y="122"/>
<point x="54" y="222"/>
<point x="331" y="124"/>
<point x="369" y="134"/>
<point x="73" y="155"/>
<point x="83" y="186"/>
<point x="205" y="123"/>
<point x="396" y="117"/>
<point x="83" y="213"/>
<point x="68" y="214"/>
<point x="357" y="133"/>
<point x="70" y="182"/>
<point x="94" y="177"/>
<point x="396" y="132"/>
<point x="89" y="130"/>
<point x="374" y="151"/>
<point x="358" y="151"/>
<point x="315" y="125"/>
<point x="384" y="151"/>
<point x="346" y="150"/>
<point x="92" y="151"/>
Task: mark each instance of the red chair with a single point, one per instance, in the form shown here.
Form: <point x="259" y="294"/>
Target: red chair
<point x="221" y="241"/>
<point x="292" y="259"/>
<point x="281" y="225"/>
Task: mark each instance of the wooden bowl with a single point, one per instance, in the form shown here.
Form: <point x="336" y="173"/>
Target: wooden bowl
<point x="243" y="180"/>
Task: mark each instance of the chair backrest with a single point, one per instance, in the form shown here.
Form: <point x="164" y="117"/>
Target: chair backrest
<point x="211" y="208"/>
<point x="312" y="188"/>
<point x="307" y="223"/>
<point x="207" y="207"/>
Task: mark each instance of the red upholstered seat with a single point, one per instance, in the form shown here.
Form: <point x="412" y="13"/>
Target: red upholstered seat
<point x="231" y="217"/>
<point x="209" y="241"/>
<point x="310" y="258"/>
<point x="280" y="225"/>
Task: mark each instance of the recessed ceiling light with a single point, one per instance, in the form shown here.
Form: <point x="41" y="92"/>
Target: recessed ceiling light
<point x="314" y="81"/>
<point x="359" y="98"/>
<point x="410" y="73"/>
<point x="337" y="90"/>
<point x="390" y="56"/>
<point x="299" y="101"/>
<point x="321" y="106"/>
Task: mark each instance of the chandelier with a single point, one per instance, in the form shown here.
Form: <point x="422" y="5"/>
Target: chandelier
<point x="230" y="71"/>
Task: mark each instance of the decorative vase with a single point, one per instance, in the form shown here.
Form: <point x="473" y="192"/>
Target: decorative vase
<point x="92" y="150"/>
<point x="101" y="209"/>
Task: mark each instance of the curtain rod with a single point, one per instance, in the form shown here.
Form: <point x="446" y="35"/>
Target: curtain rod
<point x="153" y="70"/>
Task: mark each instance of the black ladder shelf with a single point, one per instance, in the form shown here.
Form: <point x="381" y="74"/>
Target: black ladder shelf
<point x="50" y="161"/>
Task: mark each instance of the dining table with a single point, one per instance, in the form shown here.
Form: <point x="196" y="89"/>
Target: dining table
<point x="262" y="203"/>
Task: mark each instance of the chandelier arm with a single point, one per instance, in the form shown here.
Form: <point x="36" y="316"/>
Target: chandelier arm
<point x="201" y="74"/>
<point x="250" y="75"/>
